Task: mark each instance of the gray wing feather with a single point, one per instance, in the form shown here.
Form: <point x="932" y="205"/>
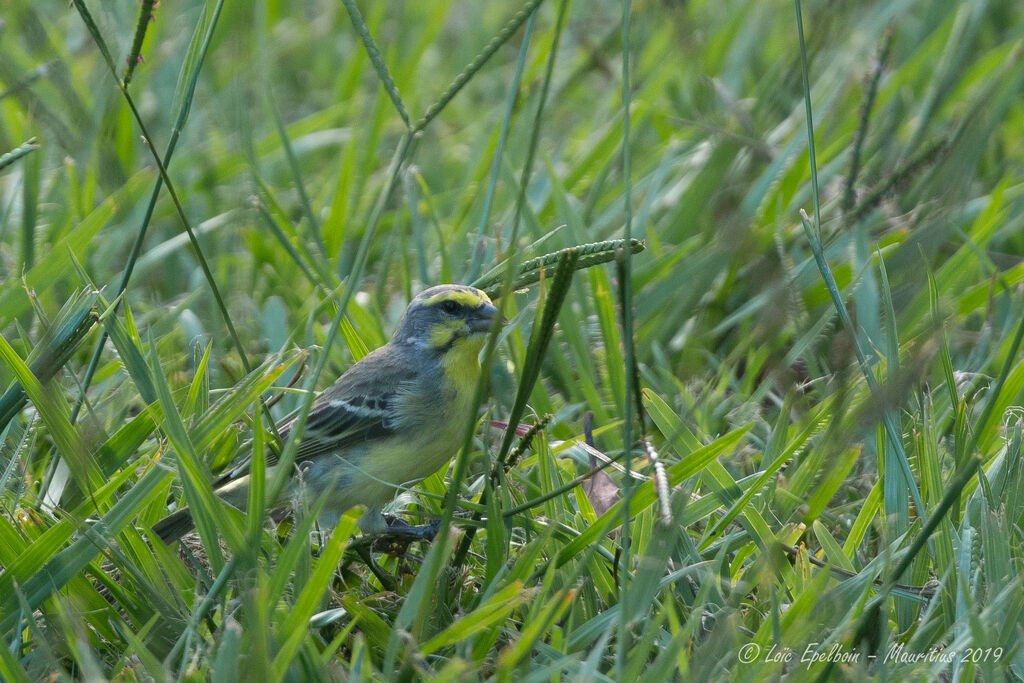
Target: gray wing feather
<point x="358" y="407"/>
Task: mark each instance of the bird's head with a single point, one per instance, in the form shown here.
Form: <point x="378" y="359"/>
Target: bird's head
<point x="446" y="316"/>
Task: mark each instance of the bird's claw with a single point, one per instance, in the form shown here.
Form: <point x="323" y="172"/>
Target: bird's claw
<point x="396" y="540"/>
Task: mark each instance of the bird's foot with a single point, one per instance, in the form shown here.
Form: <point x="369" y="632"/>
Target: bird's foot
<point x="396" y="540"/>
<point x="423" y="532"/>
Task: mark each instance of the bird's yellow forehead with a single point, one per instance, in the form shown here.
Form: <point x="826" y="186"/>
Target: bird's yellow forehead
<point x="466" y="297"/>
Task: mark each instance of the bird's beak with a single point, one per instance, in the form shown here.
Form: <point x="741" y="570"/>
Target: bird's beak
<point x="482" y="318"/>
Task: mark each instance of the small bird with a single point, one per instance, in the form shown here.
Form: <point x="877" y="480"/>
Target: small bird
<point x="391" y="420"/>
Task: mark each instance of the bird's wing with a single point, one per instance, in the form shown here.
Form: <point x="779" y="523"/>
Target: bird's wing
<point x="358" y="407"/>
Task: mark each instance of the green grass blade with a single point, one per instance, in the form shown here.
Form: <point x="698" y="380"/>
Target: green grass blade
<point x="24" y="149"/>
<point x="506" y="32"/>
<point x="376" y="59"/>
<point x="141" y="25"/>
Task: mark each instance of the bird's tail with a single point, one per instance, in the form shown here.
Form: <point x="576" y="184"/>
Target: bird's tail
<point x="179" y="523"/>
<point x="174" y="526"/>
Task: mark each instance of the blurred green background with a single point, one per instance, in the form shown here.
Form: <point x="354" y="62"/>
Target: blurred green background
<point x="282" y="168"/>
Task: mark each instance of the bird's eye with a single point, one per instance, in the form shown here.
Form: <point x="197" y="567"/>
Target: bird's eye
<point x="450" y="307"/>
